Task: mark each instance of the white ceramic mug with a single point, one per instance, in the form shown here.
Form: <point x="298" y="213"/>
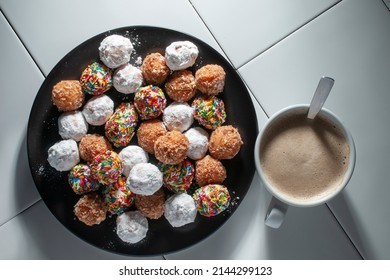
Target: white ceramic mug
<point x="280" y="201"/>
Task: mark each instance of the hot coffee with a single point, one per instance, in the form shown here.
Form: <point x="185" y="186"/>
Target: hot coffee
<point x="304" y="159"/>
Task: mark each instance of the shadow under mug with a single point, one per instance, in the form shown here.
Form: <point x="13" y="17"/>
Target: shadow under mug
<point x="280" y="202"/>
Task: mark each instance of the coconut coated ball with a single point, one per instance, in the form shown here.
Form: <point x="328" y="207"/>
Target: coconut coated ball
<point x="91" y="145"/>
<point x="171" y="148"/>
<point x="98" y="109"/>
<point x="145" y="179"/>
<point x="67" y="95"/>
<point x="131" y="226"/>
<point x="90" y="209"/>
<point x="198" y="139"/>
<point x="210" y="79"/>
<point x="181" y="55"/>
<point x="127" y="79"/>
<point x="180" y="210"/>
<point x="63" y="155"/>
<point x="154" y="69"/>
<point x="178" y="116"/>
<point x="115" y="50"/>
<point x="225" y="142"/>
<point x="148" y="132"/>
<point x="72" y="125"/>
<point x="130" y="156"/>
<point x="151" y="206"/>
<point x="180" y="86"/>
<point x="209" y="171"/>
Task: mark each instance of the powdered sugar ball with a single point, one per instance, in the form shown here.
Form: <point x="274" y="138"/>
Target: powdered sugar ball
<point x="72" y="125"/>
<point x="130" y="156"/>
<point x="180" y="209"/>
<point x="178" y="116"/>
<point x="145" y="179"/>
<point x="63" y="155"/>
<point x="115" y="50"/>
<point x="131" y="226"/>
<point x="127" y="79"/>
<point x="98" y="109"/>
<point x="181" y="55"/>
<point x="199" y="142"/>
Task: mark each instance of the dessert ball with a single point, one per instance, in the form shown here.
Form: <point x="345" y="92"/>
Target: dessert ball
<point x="67" y="95"/>
<point x="211" y="200"/>
<point x="127" y="79"/>
<point x="63" y="155"/>
<point x="91" y="145"/>
<point x="115" y="50"/>
<point x="171" y="148"/>
<point x="150" y="102"/>
<point x="90" y="209"/>
<point x="96" y="79"/>
<point x="210" y="79"/>
<point x="148" y="132"/>
<point x="151" y="206"/>
<point x="209" y="111"/>
<point x="181" y="55"/>
<point x="98" y="109"/>
<point x="131" y="226"/>
<point x="198" y="139"/>
<point x="118" y="197"/>
<point x="106" y="167"/>
<point x="145" y="179"/>
<point x="72" y="125"/>
<point x="180" y="86"/>
<point x="225" y="142"/>
<point x="180" y="209"/>
<point x="80" y="179"/>
<point x="209" y="171"/>
<point x="178" y="116"/>
<point x="154" y="69"/>
<point x="177" y="177"/>
<point x="120" y="127"/>
<point x="130" y="156"/>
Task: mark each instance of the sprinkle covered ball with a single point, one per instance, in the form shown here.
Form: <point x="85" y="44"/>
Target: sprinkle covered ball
<point x="180" y="86"/>
<point x="115" y="50"/>
<point x="225" y="142"/>
<point x="80" y="179"/>
<point x="106" y="167"/>
<point x="177" y="177"/>
<point x="91" y="145"/>
<point x="211" y="200"/>
<point x="67" y="95"/>
<point x="209" y="171"/>
<point x="171" y="148"/>
<point x="180" y="210"/>
<point x="178" y="116"/>
<point x="90" y="209"/>
<point x="63" y="155"/>
<point x="181" y="55"/>
<point x="150" y="102"/>
<point x="96" y="79"/>
<point x="127" y="79"/>
<point x="148" y="133"/>
<point x="209" y="111"/>
<point x="98" y="109"/>
<point x="72" y="125"/>
<point x="118" y="197"/>
<point x="120" y="127"/>
<point x="154" y="69"/>
<point x="210" y="79"/>
<point x="151" y="206"/>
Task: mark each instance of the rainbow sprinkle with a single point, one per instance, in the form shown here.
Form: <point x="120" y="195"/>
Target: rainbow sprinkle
<point x="120" y="127"/>
<point x="80" y="179"/>
<point x="211" y="200"/>
<point x="177" y="177"/>
<point x="209" y="111"/>
<point x="150" y="102"/>
<point x="118" y="196"/>
<point x="96" y="79"/>
<point x="106" y="167"/>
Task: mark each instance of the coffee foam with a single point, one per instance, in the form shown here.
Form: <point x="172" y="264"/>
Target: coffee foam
<point x="304" y="159"/>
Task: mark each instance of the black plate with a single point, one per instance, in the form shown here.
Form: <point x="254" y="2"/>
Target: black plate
<point x="53" y="187"/>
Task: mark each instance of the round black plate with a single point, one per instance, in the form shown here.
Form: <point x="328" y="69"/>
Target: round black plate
<point x="53" y="186"/>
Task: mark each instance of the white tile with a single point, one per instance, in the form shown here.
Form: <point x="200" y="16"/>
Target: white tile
<point x="20" y="80"/>
<point x="36" y="234"/>
<point x="246" y="28"/>
<point x="312" y="234"/>
<point x="50" y="29"/>
<point x="350" y="43"/>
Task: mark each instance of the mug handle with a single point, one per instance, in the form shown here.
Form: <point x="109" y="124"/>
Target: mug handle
<point x="275" y="213"/>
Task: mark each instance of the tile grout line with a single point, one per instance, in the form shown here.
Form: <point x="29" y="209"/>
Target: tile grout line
<point x="345" y="232"/>
<point x="21" y="212"/>
<point x="289" y="34"/>
<point x="21" y="41"/>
